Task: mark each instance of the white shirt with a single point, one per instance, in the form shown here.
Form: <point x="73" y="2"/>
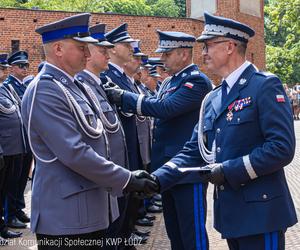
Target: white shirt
<point x="234" y="76"/>
<point x="96" y="78"/>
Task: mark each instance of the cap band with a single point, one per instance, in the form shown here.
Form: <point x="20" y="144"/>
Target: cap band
<point x="168" y="44"/>
<point x="219" y="30"/>
<point x="75" y="31"/>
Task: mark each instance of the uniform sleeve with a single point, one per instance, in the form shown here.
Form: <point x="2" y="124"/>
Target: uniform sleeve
<point x="55" y="124"/>
<point x="184" y="99"/>
<point x="277" y="128"/>
<point x="168" y="175"/>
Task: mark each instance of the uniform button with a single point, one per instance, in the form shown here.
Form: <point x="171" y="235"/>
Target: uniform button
<point x="154" y="140"/>
<point x="265" y="196"/>
<point x="222" y="187"/>
<point x="238" y="119"/>
<point x="204" y="127"/>
<point x="218" y="130"/>
<point x="155" y="127"/>
<point x="218" y="149"/>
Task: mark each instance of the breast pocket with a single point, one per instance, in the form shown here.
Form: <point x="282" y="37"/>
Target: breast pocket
<point x="242" y="117"/>
<point x="88" y="113"/>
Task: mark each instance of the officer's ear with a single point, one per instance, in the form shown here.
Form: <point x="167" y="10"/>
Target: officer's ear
<point x="58" y="48"/>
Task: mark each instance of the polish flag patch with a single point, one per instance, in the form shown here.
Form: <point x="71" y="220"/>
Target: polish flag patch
<point x="189" y="85"/>
<point x="280" y="98"/>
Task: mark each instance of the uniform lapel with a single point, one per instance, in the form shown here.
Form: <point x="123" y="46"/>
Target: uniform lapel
<point x="234" y="93"/>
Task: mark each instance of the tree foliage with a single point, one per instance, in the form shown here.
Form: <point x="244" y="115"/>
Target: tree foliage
<point x="170" y="8"/>
<point x="282" y="30"/>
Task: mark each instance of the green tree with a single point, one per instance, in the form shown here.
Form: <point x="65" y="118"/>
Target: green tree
<point x="165" y="8"/>
<point x="282" y="30"/>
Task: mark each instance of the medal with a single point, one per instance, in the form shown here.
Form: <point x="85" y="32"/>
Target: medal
<point x="229" y="115"/>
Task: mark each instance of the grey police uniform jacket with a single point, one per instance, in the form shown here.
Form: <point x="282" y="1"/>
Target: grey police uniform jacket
<point x="72" y="177"/>
<point x="11" y="132"/>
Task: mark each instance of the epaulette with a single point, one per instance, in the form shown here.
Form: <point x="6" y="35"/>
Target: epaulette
<point x="195" y="72"/>
<point x="264" y="73"/>
<point x="46" y="77"/>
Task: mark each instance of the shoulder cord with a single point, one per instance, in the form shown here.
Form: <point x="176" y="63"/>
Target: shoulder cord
<point x="8" y="111"/>
<point x="110" y="127"/>
<point x="207" y="155"/>
<point x="14" y="94"/>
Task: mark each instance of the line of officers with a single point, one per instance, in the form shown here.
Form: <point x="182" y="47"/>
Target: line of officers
<point x="128" y="136"/>
<point x="86" y="119"/>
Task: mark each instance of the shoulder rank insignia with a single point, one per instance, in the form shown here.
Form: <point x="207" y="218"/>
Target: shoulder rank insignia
<point x="184" y="75"/>
<point x="242" y="81"/>
<point x="195" y="72"/>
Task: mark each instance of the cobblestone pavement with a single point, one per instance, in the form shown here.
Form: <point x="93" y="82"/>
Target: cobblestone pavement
<point x="159" y="240"/>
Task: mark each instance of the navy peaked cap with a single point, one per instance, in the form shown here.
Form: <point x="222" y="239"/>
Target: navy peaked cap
<point x="3" y="60"/>
<point x="155" y="61"/>
<point x="119" y="35"/>
<point x="18" y="57"/>
<point x="75" y="27"/>
<point x="136" y="48"/>
<point x="98" y="32"/>
<point x="169" y="40"/>
<point x="220" y="26"/>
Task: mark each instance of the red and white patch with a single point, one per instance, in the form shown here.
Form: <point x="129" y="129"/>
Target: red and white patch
<point x="189" y="85"/>
<point x="280" y="98"/>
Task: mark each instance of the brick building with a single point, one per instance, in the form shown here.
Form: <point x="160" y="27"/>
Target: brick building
<point x="17" y="27"/>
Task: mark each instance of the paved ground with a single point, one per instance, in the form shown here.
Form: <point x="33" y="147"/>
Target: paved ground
<point x="159" y="240"/>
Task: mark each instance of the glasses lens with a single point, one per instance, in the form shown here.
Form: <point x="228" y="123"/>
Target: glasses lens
<point x="23" y="66"/>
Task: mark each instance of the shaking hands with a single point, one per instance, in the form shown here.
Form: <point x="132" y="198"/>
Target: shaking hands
<point x="143" y="183"/>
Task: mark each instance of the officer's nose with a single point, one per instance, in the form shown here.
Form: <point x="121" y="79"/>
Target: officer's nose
<point x="87" y="52"/>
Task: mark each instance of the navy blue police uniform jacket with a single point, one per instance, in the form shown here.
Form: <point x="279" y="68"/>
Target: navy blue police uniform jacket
<point x="16" y="84"/>
<point x="128" y="120"/>
<point x="11" y="131"/>
<point x="176" y="112"/>
<point x="254" y="146"/>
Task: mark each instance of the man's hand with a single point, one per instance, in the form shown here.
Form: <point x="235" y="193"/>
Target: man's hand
<point x="141" y="182"/>
<point x="216" y="176"/>
<point x="114" y="93"/>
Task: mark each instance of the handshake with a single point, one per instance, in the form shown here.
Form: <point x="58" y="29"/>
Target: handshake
<point x="142" y="183"/>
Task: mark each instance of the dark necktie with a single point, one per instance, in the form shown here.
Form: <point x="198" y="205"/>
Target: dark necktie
<point x="224" y="92"/>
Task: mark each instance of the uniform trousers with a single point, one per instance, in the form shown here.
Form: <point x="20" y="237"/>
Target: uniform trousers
<point x="184" y="209"/>
<point x="266" y="241"/>
<point x="26" y="164"/>
<point x="13" y="177"/>
<point x="5" y="172"/>
<point x="88" y="241"/>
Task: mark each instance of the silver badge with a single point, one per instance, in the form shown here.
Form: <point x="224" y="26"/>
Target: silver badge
<point x="63" y="80"/>
<point x="242" y="81"/>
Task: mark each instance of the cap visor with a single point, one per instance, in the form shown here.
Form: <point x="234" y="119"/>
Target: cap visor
<point x="139" y="54"/>
<point x="87" y="39"/>
<point x="204" y="37"/>
<point x="19" y="61"/>
<point x="163" y="50"/>
<point x="105" y="44"/>
<point x="127" y="40"/>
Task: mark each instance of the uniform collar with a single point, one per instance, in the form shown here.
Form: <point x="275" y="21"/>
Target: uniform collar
<point x="184" y="69"/>
<point x="120" y="69"/>
<point x="93" y="76"/>
<point x="17" y="79"/>
<point x="234" y="76"/>
<point x="65" y="73"/>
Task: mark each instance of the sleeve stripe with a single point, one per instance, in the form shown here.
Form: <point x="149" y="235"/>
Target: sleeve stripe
<point x="249" y="168"/>
<point x="171" y="165"/>
<point x="139" y="105"/>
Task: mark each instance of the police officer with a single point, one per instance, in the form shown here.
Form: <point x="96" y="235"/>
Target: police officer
<point x="11" y="137"/>
<point x="245" y="134"/>
<point x="97" y="63"/>
<point x="176" y="111"/>
<point x="16" y="82"/>
<point x="119" y="55"/>
<point x="73" y="178"/>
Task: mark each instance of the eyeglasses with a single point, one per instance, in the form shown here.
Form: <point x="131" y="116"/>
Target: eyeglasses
<point x="23" y="66"/>
<point x="206" y="45"/>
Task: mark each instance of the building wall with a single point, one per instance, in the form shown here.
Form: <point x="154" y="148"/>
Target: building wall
<point x="17" y="24"/>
